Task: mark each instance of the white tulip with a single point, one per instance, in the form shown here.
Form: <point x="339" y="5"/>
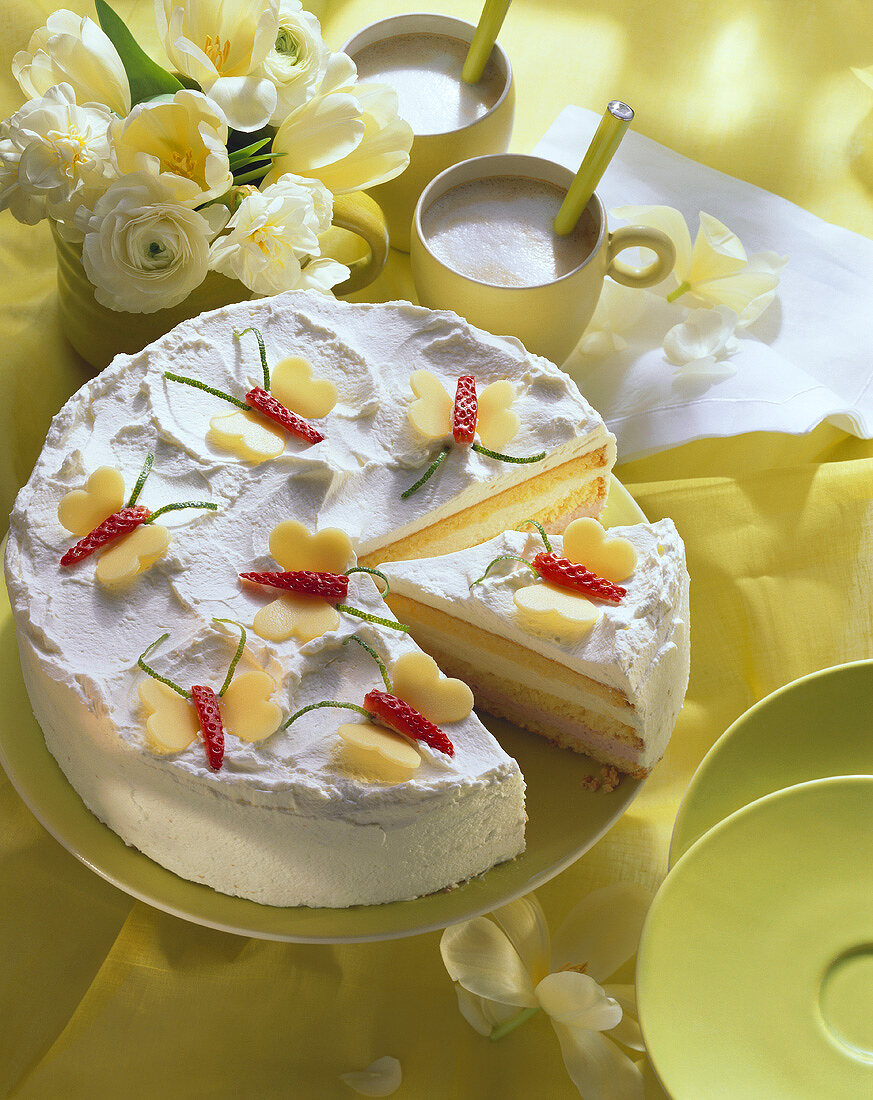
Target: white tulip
<point x="273" y="241"/>
<point x="221" y="44"/>
<point x="298" y="59"/>
<point x="182" y="139"/>
<point x="72" y="49"/>
<point x="63" y="155"/>
<point x="348" y="135"/>
<point x="142" y="250"/>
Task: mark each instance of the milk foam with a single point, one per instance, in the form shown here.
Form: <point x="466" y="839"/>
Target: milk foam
<point x="499" y="230"/>
<point x="425" y="71"/>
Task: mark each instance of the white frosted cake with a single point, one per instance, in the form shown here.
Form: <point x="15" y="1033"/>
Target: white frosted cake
<point x="313" y="812"/>
<point x="605" y="677"/>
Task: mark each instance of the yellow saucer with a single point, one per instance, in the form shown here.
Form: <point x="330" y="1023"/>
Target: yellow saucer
<point x="817" y="726"/>
<point x="755" y="969"/>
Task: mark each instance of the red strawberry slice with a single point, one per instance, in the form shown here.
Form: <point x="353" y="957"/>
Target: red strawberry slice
<point x="116" y="525"/>
<point x="567" y="574"/>
<point x="206" y="704"/>
<point x="402" y="718"/>
<point x="265" y="403"/>
<point x="465" y="410"/>
<point x="332" y="587"/>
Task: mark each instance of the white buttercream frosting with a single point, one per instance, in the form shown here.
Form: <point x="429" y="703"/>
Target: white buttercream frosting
<point x="283" y="821"/>
<point x="639" y="646"/>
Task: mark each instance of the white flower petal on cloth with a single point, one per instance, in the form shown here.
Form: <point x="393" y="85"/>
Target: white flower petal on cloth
<point x="708" y="369"/>
<point x="602" y="930"/>
<point x="477" y="954"/>
<point x="524" y="922"/>
<point x="704" y="332"/>
<point x="669" y="221"/>
<point x="481" y="1014"/>
<point x="381" y="1078"/>
<point x="577" y="1001"/>
<point x="627" y="1031"/>
<point x="597" y="1067"/>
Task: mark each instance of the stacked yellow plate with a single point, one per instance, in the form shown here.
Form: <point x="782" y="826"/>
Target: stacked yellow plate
<point x="755" y="970"/>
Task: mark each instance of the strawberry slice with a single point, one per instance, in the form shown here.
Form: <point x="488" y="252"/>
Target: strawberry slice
<point x="265" y="403"/>
<point x="206" y="704"/>
<point x="465" y="410"/>
<point x="402" y="718"/>
<point x="332" y="587"/>
<point x="567" y="574"/>
<point x="113" y="527"/>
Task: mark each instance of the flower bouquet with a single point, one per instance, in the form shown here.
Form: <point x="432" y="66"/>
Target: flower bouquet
<point x="171" y="190"/>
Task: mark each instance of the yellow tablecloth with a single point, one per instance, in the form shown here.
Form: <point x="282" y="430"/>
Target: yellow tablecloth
<point x="103" y="996"/>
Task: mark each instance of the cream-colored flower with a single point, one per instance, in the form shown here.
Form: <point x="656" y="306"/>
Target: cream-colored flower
<point x="182" y="139"/>
<point x="142" y="250"/>
<point x="297" y="62"/>
<point x="381" y="1078"/>
<point x="715" y="270"/>
<point x="222" y="44"/>
<point x="24" y="204"/>
<point x="64" y="157"/>
<point x="72" y="49"/>
<point x="348" y="135"/>
<point x="508" y="968"/>
<point x="273" y="241"/>
<point x="701" y="340"/>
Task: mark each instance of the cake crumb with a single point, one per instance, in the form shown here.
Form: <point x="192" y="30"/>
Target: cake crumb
<point x="611" y="779"/>
<point x="590" y="783"/>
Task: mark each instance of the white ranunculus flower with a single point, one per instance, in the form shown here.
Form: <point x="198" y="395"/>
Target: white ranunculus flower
<point x="348" y="135"/>
<point x="72" y="49"/>
<point x="297" y="62"/>
<point x="181" y="139"/>
<point x="142" y="250"/>
<point x="64" y="152"/>
<point x="25" y="205"/>
<point x="221" y="44"/>
<point x="273" y="240"/>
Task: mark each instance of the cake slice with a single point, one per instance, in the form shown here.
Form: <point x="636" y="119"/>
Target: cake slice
<point x="603" y="678"/>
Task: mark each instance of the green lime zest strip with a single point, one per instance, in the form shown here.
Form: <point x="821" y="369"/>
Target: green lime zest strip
<point x="541" y="530"/>
<point x="386" y="679"/>
<point x="197" y="384"/>
<point x="326" y="703"/>
<point x="504" y="557"/>
<point x="373" y="573"/>
<point x="511" y="1025"/>
<point x="156" y="675"/>
<point x="182" y="504"/>
<point x="262" y="350"/>
<point x="141" y="480"/>
<point x="371" y="618"/>
<point x="427" y="475"/>
<point x="237" y="656"/>
<point x="507" y="458"/>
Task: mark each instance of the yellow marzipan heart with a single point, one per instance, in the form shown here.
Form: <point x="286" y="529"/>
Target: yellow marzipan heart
<point x="380" y="752"/>
<point x="81" y="510"/>
<point x="132" y="554"/>
<point x="554" y="610"/>
<point x="246" y="708"/>
<point x="431" y="411"/>
<point x="246" y="435"/>
<point x="587" y="543"/>
<point x="327" y="551"/>
<point x="418" y="681"/>
<point x="171" y="721"/>
<point x="292" y="383"/>
<point x="497" y="424"/>
<point x="295" y="616"/>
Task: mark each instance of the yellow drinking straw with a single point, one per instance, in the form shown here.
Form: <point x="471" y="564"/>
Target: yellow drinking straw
<point x="616" y="119"/>
<point x="487" y="30"/>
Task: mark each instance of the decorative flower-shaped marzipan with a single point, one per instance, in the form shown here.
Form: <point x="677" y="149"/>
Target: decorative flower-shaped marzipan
<point x="410" y="709"/>
<point x="314" y="580"/>
<point x="716" y="270"/>
<point x="381" y="1078"/>
<point x="508" y="968"/>
<point x="244" y="433"/>
<point x="591" y="567"/>
<point x="175" y="717"/>
<point x="435" y="415"/>
<point x="96" y="515"/>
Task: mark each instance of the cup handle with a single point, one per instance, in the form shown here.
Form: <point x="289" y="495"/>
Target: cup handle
<point x="640" y="236"/>
<point x="363" y="216"/>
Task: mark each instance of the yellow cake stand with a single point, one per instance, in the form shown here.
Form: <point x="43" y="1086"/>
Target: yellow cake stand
<point x="564" y="821"/>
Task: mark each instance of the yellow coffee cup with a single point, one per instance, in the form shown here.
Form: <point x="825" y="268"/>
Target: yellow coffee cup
<point x="548" y="315"/>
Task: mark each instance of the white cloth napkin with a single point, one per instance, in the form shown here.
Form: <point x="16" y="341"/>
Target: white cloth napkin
<point x="808" y="358"/>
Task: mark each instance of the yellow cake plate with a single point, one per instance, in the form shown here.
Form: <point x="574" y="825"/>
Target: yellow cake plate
<point x="815" y="727"/>
<point x="755" y="968"/>
<point x="564" y="821"/>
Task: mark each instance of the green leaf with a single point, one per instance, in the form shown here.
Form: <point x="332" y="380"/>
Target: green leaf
<point x="146" y="78"/>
